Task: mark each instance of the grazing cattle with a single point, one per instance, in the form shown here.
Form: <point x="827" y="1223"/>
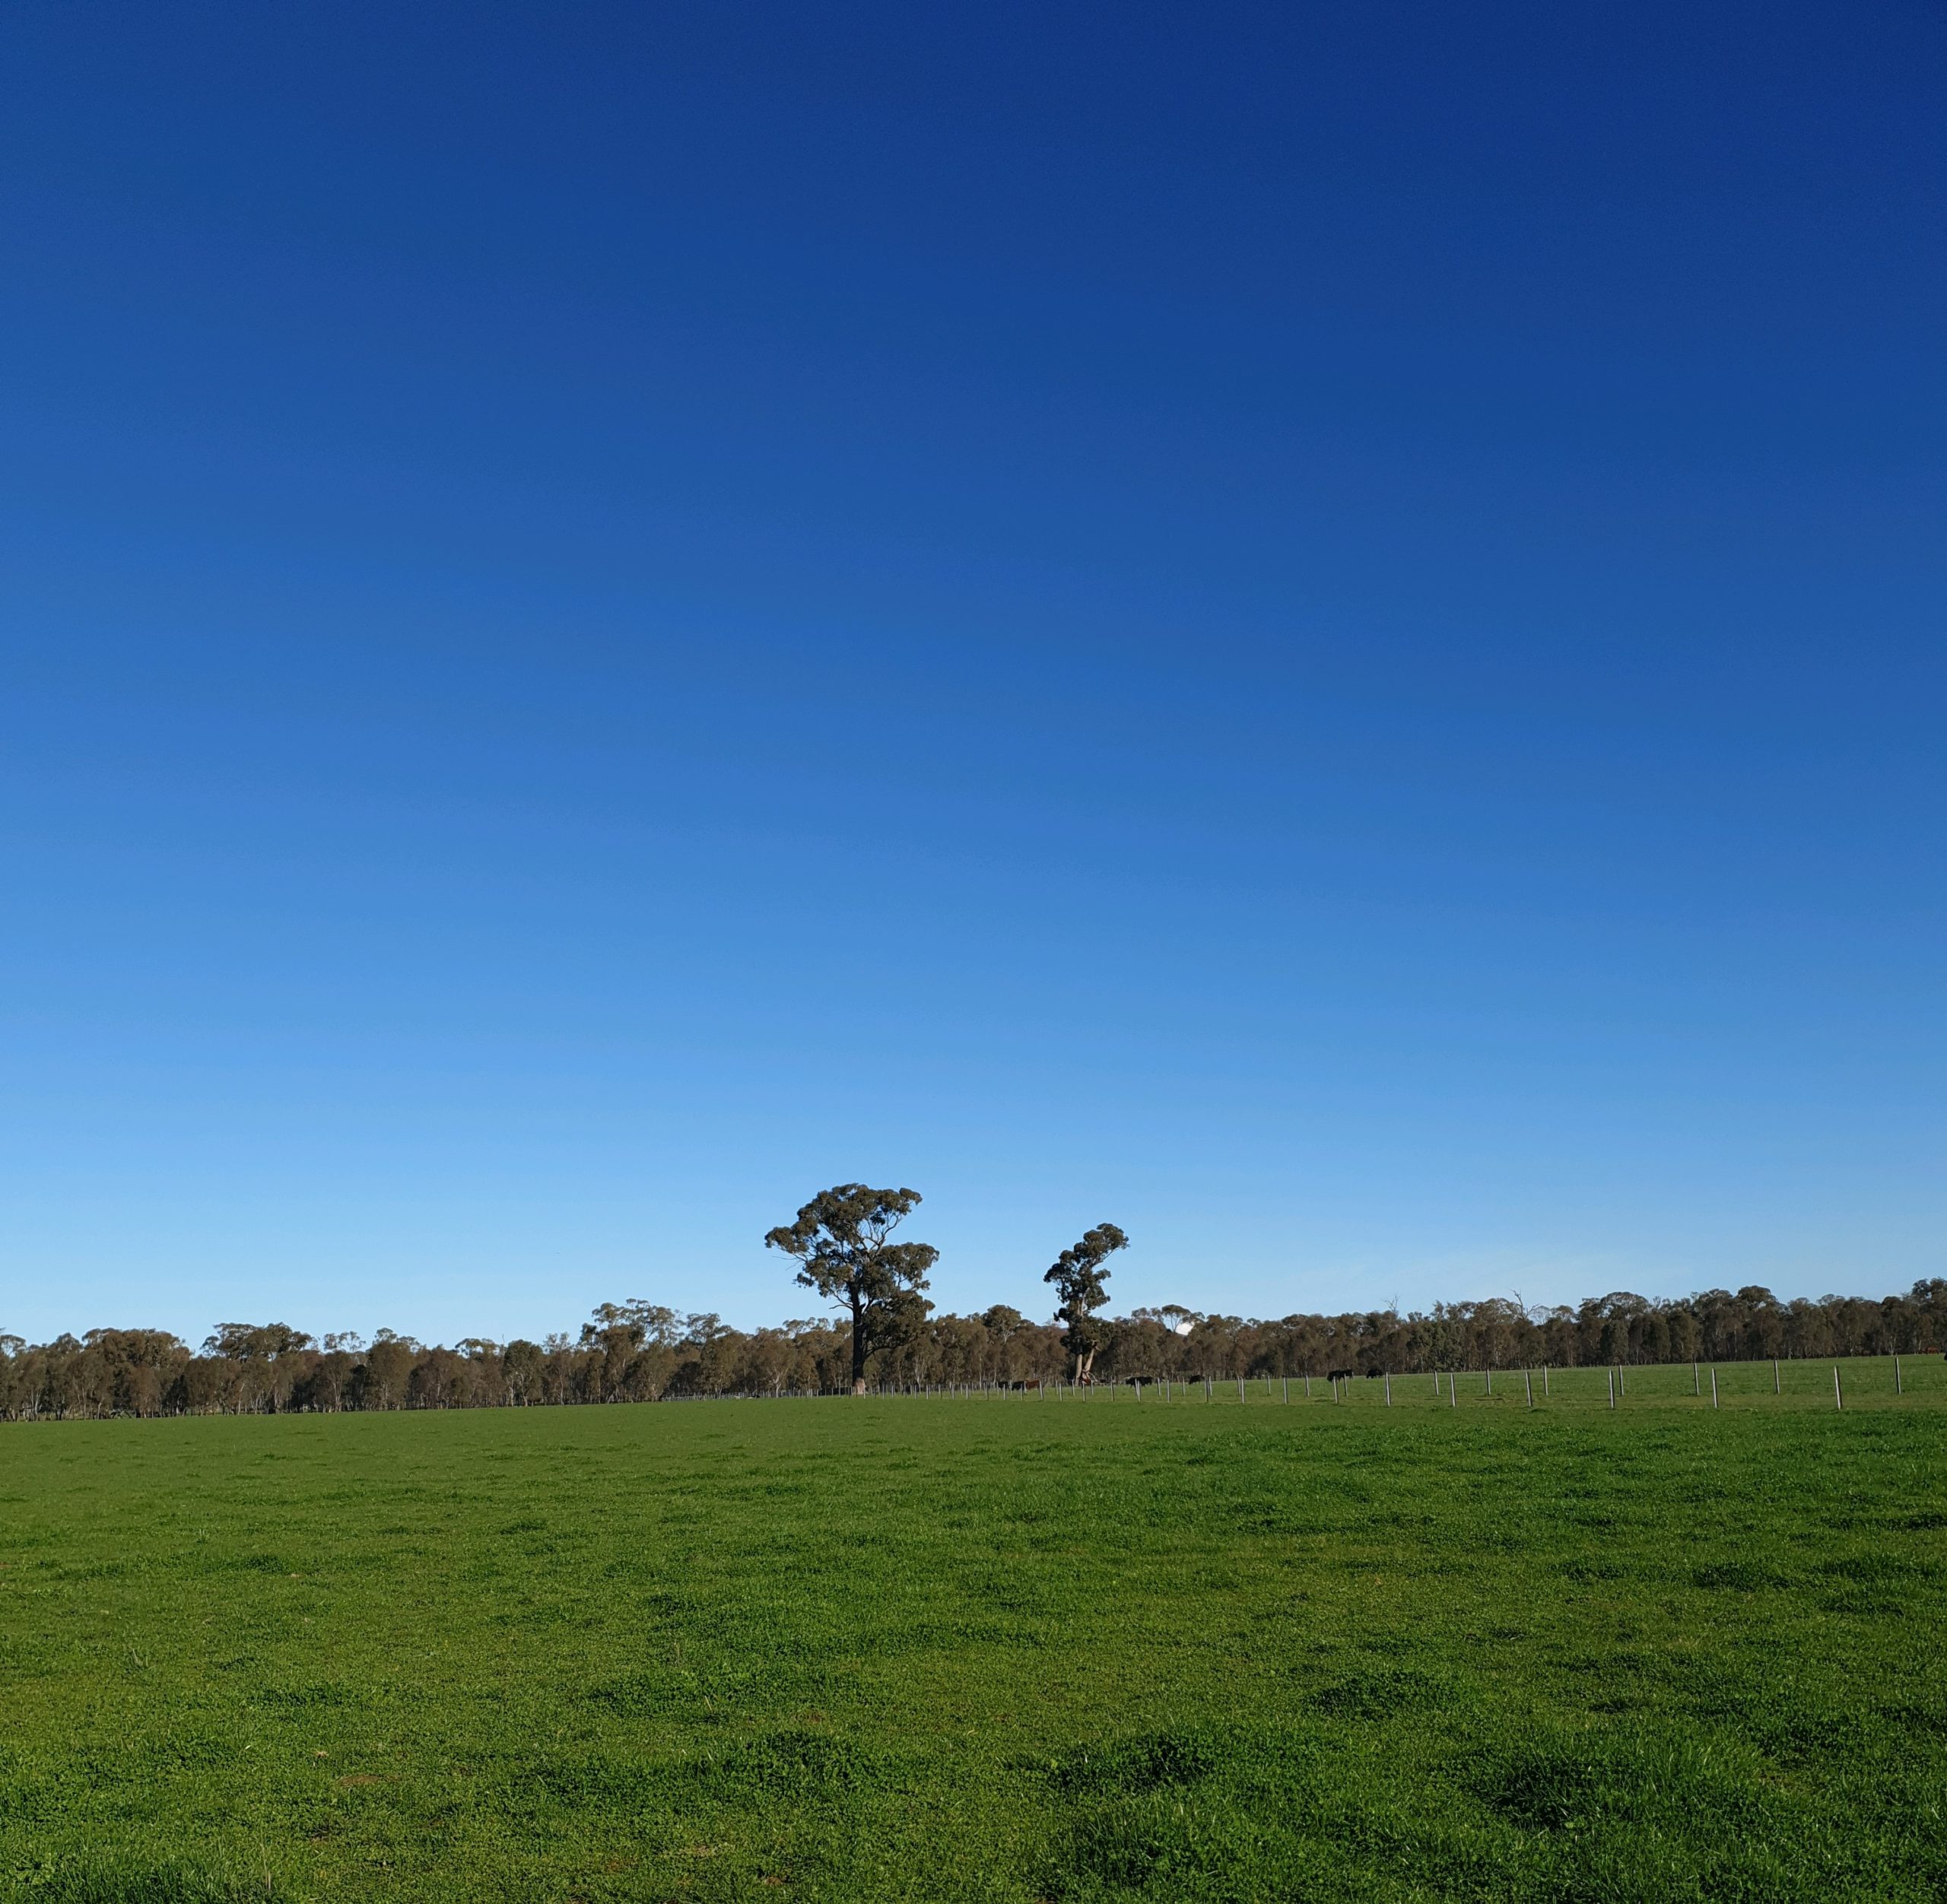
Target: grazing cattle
<point x="1340" y="1375"/>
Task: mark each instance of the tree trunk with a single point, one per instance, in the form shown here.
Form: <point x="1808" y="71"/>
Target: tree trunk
<point x="858" y="1350"/>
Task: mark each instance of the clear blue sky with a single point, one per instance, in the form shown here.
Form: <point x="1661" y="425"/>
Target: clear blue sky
<point x="1317" y="631"/>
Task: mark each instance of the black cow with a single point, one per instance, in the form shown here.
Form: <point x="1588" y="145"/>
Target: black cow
<point x="1340" y="1375"/>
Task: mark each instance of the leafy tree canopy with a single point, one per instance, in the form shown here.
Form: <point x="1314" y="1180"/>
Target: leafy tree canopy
<point x="247" y="1341"/>
<point x="637" y="1323"/>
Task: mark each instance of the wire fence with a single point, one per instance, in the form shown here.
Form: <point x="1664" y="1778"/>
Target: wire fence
<point x="1838" y="1384"/>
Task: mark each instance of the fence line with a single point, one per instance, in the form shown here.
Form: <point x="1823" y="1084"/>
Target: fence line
<point x="1854" y="1372"/>
<point x="1856" y="1381"/>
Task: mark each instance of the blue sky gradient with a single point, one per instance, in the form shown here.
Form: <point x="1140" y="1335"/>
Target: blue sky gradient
<point x="1317" y="632"/>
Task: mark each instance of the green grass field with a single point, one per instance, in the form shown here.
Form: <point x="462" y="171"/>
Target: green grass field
<point x="989" y="1648"/>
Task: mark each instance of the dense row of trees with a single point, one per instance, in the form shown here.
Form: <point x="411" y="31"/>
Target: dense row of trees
<point x="886" y="1332"/>
<point x="638" y="1351"/>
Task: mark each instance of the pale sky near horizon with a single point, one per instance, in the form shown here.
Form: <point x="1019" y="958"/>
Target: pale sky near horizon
<point x="1317" y="632"/>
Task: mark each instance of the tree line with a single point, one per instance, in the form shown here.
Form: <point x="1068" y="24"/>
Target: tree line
<point x="886" y="1333"/>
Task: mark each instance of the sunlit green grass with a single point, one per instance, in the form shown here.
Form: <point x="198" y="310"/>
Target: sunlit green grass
<point x="1015" y="1648"/>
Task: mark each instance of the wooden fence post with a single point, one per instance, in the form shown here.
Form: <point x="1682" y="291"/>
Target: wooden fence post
<point x="1713" y="1386"/>
<point x="1528" y="1382"/>
<point x="1838" y="1393"/>
<point x="1612" y="1376"/>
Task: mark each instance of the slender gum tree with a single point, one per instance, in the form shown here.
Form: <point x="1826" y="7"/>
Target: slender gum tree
<point x="1078" y="1277"/>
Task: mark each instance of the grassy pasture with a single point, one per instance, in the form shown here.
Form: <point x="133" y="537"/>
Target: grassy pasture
<point x="1005" y="1648"/>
